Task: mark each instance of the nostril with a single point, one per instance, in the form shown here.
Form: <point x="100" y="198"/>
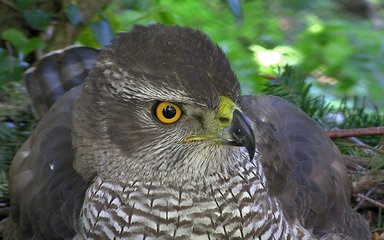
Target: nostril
<point x="224" y="120"/>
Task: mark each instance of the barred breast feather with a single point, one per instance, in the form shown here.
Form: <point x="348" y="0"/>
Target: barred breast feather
<point x="239" y="209"/>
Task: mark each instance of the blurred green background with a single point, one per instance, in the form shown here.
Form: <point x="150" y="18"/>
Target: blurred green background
<point x="340" y="51"/>
<point x="339" y="48"/>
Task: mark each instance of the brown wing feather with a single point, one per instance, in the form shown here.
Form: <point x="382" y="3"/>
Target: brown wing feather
<point x="305" y="170"/>
<point x="57" y="73"/>
<point x="46" y="193"/>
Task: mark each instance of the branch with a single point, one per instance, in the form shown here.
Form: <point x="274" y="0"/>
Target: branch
<point x="374" y="202"/>
<point x="362" y="200"/>
<point x="342" y="133"/>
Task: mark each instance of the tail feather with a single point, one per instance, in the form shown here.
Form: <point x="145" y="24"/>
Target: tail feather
<point x="56" y="73"/>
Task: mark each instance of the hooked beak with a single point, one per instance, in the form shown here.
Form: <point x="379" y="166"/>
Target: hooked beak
<point x="239" y="133"/>
<point x="234" y="131"/>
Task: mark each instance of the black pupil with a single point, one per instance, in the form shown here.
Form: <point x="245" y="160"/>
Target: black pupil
<point x="169" y="112"/>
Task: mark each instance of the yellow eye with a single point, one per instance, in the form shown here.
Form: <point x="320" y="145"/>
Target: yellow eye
<point x="167" y="112"/>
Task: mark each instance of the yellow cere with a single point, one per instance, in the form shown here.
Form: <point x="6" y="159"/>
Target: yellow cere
<point x="224" y="111"/>
<point x="226" y="108"/>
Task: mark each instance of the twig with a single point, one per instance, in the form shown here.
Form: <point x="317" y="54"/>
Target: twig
<point x="363" y="199"/>
<point x="341" y="133"/>
<point x="379" y="204"/>
<point x="268" y="77"/>
<point x="380" y="145"/>
<point x="357" y="162"/>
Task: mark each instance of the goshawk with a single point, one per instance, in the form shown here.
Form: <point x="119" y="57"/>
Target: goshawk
<point x="158" y="143"/>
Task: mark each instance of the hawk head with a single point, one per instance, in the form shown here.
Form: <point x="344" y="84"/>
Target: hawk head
<point x="160" y="104"/>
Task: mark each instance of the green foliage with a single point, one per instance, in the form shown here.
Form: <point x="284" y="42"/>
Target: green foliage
<point x="348" y="113"/>
<point x="34" y="17"/>
<point x="319" y="38"/>
<point x="24" y="4"/>
<point x="20" y="42"/>
<point x="294" y="86"/>
<point x="16" y="125"/>
<point x="341" y="49"/>
<point x="12" y="136"/>
<point x="16" y="47"/>
<point x="314" y="37"/>
<point x="290" y="84"/>
<point x="11" y="68"/>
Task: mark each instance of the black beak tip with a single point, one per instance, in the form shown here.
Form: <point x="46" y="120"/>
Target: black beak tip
<point x="242" y="132"/>
<point x="251" y="153"/>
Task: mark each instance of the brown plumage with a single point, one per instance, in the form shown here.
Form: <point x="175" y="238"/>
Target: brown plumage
<point x="102" y="165"/>
<point x="57" y="73"/>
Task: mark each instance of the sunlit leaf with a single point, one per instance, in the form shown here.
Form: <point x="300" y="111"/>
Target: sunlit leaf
<point x="20" y="42"/>
<point x="15" y="37"/>
<point x="271" y="59"/>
